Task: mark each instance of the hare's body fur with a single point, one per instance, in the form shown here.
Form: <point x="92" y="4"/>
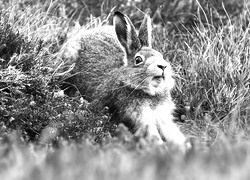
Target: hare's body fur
<point x="137" y="94"/>
<point x="88" y="50"/>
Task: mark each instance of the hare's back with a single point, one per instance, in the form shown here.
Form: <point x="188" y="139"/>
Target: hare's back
<point x="100" y="50"/>
<point x="95" y="53"/>
<point x="101" y="41"/>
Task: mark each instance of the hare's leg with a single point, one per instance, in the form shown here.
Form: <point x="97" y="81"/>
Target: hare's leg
<point x="147" y="124"/>
<point x="150" y="131"/>
<point x="170" y="132"/>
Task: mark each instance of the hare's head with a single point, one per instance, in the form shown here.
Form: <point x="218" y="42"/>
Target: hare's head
<point x="148" y="70"/>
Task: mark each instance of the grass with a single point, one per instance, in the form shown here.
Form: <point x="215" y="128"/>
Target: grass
<point x="46" y="135"/>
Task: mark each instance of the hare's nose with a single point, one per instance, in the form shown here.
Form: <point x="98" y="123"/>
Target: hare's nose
<point x="162" y="67"/>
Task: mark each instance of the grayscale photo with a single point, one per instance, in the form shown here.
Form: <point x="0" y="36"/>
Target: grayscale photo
<point x="124" y="89"/>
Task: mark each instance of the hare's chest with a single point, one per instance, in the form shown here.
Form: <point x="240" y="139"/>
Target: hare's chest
<point x="163" y="113"/>
<point x="148" y="115"/>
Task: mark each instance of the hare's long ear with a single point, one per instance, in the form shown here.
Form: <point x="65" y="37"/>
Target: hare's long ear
<point x="126" y="33"/>
<point x="145" y="32"/>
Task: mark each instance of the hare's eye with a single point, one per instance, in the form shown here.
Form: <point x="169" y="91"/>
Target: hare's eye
<point x="138" y="60"/>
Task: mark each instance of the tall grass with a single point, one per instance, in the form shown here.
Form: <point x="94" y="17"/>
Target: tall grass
<point x="212" y="74"/>
<point x="61" y="138"/>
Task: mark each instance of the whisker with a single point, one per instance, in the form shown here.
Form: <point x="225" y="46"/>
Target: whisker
<point x="137" y="86"/>
<point x="129" y="84"/>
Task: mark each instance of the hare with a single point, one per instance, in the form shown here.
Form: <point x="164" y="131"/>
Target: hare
<point x="117" y="66"/>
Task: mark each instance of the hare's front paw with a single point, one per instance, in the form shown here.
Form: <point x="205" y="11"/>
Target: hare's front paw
<point x="171" y="133"/>
<point x="182" y="146"/>
<point x="149" y="132"/>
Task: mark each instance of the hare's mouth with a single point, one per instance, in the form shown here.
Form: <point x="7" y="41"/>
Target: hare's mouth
<point x="158" y="78"/>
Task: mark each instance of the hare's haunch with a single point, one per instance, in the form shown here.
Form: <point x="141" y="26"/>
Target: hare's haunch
<point x="117" y="66"/>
